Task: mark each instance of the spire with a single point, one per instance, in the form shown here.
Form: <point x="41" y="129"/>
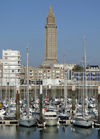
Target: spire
<point x="50" y="9"/>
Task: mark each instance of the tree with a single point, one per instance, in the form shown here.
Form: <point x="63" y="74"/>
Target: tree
<point x="78" y="68"/>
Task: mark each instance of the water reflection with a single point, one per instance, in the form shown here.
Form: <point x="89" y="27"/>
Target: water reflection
<point x="64" y="128"/>
<point x="26" y="131"/>
<point x="51" y="130"/>
<point x="8" y="131"/>
<point x="41" y="134"/>
<point x="99" y="133"/>
<point x="83" y="131"/>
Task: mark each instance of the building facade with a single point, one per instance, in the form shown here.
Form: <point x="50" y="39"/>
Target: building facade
<point x="11" y="67"/>
<point x="92" y="76"/>
<point x="1" y="71"/>
<point x="52" y="75"/>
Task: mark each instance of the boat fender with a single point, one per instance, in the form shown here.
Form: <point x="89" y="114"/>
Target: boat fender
<point x="58" y="123"/>
<point x="71" y="121"/>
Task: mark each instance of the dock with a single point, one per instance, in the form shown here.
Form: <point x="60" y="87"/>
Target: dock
<point x="64" y="122"/>
<point x="9" y="122"/>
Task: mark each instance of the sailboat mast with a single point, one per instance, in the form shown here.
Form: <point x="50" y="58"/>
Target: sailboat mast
<point x="27" y="85"/>
<point x="84" y="92"/>
<point x="65" y="84"/>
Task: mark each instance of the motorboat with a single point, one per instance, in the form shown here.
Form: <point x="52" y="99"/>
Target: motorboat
<point x="92" y="105"/>
<point x="50" y="118"/>
<point x="2" y="112"/>
<point x="63" y="116"/>
<point x="9" y="116"/>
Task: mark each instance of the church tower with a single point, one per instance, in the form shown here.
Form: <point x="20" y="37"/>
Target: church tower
<point x="50" y="39"/>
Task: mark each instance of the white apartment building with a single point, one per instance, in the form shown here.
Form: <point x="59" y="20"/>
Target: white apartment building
<point x="1" y="72"/>
<point x="11" y="67"/>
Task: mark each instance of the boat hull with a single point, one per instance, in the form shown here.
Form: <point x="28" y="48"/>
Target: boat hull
<point x="27" y="123"/>
<point x="82" y="123"/>
<point x="51" y="122"/>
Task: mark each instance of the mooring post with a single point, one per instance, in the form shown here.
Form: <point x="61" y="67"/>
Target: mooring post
<point x="98" y="104"/>
<point x="97" y="124"/>
<point x="41" y="118"/>
<point x="73" y="100"/>
<point x="17" y="105"/>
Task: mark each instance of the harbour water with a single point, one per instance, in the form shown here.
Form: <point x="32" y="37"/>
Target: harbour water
<point x="61" y="132"/>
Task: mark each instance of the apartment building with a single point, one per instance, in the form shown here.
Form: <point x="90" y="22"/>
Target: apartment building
<point x="92" y="75"/>
<point x="53" y="75"/>
<point x="11" y="67"/>
<point x="1" y="71"/>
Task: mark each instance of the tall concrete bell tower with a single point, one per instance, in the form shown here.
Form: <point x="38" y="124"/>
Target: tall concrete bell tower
<point x="50" y="39"/>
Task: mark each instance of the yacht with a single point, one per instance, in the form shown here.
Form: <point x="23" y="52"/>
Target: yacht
<point x="50" y="118"/>
<point x="27" y="118"/>
<point x="2" y="112"/>
<point x="63" y="116"/>
<point x="92" y="105"/>
<point x="27" y="121"/>
<point x="82" y="119"/>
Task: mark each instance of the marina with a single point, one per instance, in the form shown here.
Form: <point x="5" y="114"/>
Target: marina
<point x="49" y="98"/>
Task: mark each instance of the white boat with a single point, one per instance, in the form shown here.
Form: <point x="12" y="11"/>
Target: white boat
<point x="95" y="112"/>
<point x="2" y="112"/>
<point x="50" y="107"/>
<point x="63" y="116"/>
<point x="92" y="105"/>
<point x="82" y="119"/>
<point x="10" y="116"/>
<point x="13" y="107"/>
<point x="27" y="119"/>
<point x="50" y="118"/>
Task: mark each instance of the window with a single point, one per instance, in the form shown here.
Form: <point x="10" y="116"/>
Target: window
<point x="12" y="70"/>
<point x="12" y="53"/>
<point x="6" y="58"/>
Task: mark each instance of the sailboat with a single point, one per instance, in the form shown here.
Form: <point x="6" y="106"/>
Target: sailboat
<point x="65" y="108"/>
<point x="27" y="118"/>
<point x="81" y="119"/>
<point x="9" y="115"/>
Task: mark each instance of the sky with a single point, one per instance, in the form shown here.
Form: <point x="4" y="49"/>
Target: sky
<point x="22" y="24"/>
